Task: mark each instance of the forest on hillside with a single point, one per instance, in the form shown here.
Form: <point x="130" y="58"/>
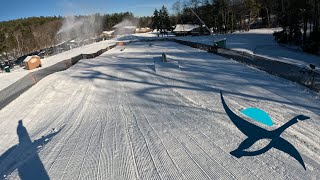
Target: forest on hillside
<point x="298" y="18"/>
<point x="22" y="36"/>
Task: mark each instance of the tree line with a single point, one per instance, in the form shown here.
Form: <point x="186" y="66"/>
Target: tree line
<point x="298" y="18"/>
<point x="22" y="36"/>
<point x="245" y="14"/>
<point x="161" y="20"/>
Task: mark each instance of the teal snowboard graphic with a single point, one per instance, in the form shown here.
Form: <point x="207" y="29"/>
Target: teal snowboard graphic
<point x="255" y="133"/>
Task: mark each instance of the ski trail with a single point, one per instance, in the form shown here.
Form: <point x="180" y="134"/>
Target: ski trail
<point x="294" y="168"/>
<point x="64" y="155"/>
<point x="126" y="117"/>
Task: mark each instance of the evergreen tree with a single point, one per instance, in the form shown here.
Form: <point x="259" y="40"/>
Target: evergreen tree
<point x="165" y="19"/>
<point x="161" y="20"/>
<point x="2" y="42"/>
<point x="156" y="20"/>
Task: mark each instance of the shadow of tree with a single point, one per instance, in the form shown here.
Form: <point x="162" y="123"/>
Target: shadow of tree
<point x="207" y="70"/>
<point x="24" y="156"/>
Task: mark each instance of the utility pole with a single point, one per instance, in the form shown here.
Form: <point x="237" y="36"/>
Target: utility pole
<point x="268" y="17"/>
<point x="232" y="14"/>
<point x="201" y="20"/>
<point x="305" y="22"/>
<point x="316" y="16"/>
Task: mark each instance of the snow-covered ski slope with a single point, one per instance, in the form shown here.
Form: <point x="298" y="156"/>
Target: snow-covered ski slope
<point x="256" y="41"/>
<point x="9" y="78"/>
<point x="261" y="42"/>
<point x="126" y="115"/>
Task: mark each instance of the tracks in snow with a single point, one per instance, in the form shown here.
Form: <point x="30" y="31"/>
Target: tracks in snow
<point x="124" y="121"/>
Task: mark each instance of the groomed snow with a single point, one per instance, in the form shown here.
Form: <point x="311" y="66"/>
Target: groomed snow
<point x="125" y="115"/>
<point x="9" y="78"/>
<point x="260" y="42"/>
<point x="256" y="41"/>
<point x="88" y="49"/>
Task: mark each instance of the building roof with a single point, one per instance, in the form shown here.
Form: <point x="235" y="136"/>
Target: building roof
<point x="185" y="27"/>
<point x="108" y="32"/>
<point x="28" y="58"/>
<point x="129" y="27"/>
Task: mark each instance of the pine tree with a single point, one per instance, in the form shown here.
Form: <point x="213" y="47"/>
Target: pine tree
<point x="156" y="20"/>
<point x="2" y="42"/>
<point x="165" y="22"/>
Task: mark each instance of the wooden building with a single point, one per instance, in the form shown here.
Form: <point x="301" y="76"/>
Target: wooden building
<point x="32" y="62"/>
<point x="190" y="29"/>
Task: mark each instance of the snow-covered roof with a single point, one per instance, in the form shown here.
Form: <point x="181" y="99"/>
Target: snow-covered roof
<point x="129" y="27"/>
<point x="107" y="32"/>
<point x="185" y="27"/>
<point x="28" y="58"/>
<point x="145" y="28"/>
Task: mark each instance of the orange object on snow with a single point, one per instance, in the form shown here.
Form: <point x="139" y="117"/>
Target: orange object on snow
<point x="32" y="62"/>
<point x="120" y="44"/>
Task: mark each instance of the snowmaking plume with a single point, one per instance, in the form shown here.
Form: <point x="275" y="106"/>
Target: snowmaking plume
<point x="127" y="26"/>
<point x="69" y="23"/>
<point x="79" y="27"/>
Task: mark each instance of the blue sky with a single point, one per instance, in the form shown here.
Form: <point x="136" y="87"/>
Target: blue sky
<point x="13" y="9"/>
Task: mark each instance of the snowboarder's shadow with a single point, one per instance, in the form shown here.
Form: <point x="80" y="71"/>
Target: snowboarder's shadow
<point x="24" y="156"/>
<point x="255" y="133"/>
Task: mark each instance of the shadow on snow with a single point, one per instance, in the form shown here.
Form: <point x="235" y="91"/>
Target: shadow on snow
<point x="255" y="133"/>
<point x="24" y="156"/>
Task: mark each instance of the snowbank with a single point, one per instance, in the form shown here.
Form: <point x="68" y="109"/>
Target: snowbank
<point x="256" y="41"/>
<point x="9" y="78"/>
<point x="116" y="118"/>
<point x="260" y="42"/>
